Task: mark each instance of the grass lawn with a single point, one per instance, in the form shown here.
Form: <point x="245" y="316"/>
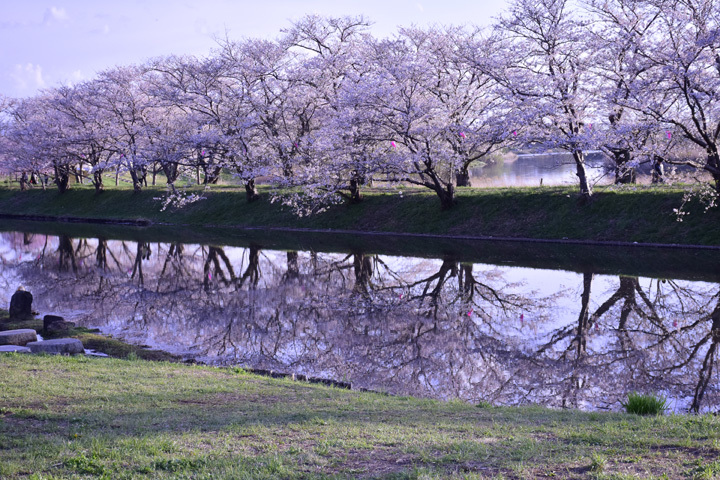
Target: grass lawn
<point x="642" y="214"/>
<point x="81" y="417"/>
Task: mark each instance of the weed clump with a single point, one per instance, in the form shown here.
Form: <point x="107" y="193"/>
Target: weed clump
<point x="645" y="404"/>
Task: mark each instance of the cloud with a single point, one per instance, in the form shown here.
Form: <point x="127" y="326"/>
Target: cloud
<point x="28" y="77"/>
<point x="420" y="7"/>
<point x="55" y="14"/>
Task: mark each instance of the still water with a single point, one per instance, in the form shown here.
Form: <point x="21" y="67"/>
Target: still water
<point x="486" y="326"/>
<point x="527" y="170"/>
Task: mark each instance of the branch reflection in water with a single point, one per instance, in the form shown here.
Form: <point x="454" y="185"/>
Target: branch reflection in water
<point x="412" y="326"/>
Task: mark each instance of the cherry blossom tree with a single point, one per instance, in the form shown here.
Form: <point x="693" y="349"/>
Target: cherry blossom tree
<point x="681" y="90"/>
<point x="623" y="31"/>
<point x="543" y="63"/>
<point x="117" y="94"/>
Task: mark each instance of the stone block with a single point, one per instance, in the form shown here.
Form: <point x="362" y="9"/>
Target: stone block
<point x="21" y="305"/>
<point x="63" y="346"/>
<point x="14" y="348"/>
<point x="18" y="337"/>
<point x="54" y="323"/>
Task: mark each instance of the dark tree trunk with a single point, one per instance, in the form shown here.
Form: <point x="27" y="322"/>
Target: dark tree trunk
<point x="713" y="161"/>
<point x="580" y="341"/>
<point x="212" y="175"/>
<point x="293" y="268"/>
<point x="66" y="254"/>
<point x="623" y="173"/>
<point x="252" y="272"/>
<point x="355" y="195"/>
<point x="23" y="182"/>
<point x="462" y="177"/>
<point x="62" y="177"/>
<point x="170" y="169"/>
<point x="101" y="254"/>
<point x="447" y="196"/>
<point x="98" y="181"/>
<point x="707" y="368"/>
<point x="363" y="272"/>
<point x="251" y="192"/>
<point x="137" y="179"/>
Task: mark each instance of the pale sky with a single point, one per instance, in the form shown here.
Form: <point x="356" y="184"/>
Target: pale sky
<point x="48" y="43"/>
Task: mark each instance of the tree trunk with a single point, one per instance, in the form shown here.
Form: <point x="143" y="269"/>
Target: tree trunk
<point x="251" y="192"/>
<point x="585" y="188"/>
<point x="363" y="267"/>
<point x="447" y="196"/>
<point x="580" y="340"/>
<point x="623" y="173"/>
<point x="62" y="177"/>
<point x="212" y="176"/>
<point x="23" y="182"/>
<point x="98" y="181"/>
<point x="713" y="161"/>
<point x="355" y="195"/>
<point x="462" y="177"/>
<point x="136" y="179"/>
<point x="293" y="267"/>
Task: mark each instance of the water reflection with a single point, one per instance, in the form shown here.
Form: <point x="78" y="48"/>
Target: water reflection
<point x="438" y="327"/>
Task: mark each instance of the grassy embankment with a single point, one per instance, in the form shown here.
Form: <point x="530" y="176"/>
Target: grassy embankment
<point x="80" y="417"/>
<point x="642" y="214"/>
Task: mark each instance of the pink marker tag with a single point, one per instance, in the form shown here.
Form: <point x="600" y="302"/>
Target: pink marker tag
<point x="515" y="133"/>
<point x="462" y="134"/>
<point x="393" y="144"/>
<point x="522" y="317"/>
<point x="470" y="313"/>
<point x="669" y="135"/>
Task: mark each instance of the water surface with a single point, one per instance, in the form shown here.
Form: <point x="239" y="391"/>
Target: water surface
<point x="480" y="324"/>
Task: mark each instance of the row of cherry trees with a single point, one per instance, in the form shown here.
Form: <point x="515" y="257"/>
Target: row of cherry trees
<point x="327" y="107"/>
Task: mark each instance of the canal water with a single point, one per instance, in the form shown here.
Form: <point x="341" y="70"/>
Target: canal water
<point x="498" y="322"/>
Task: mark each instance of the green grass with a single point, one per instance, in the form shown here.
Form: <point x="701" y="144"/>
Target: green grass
<point x="645" y="404"/>
<point x="80" y="417"/>
<point x="642" y="214"/>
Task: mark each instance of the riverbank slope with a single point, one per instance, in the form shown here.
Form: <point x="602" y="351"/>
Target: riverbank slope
<point x="643" y="214"/>
<point x="68" y="417"/>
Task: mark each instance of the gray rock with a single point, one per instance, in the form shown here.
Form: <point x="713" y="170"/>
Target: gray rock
<point x="66" y="346"/>
<point x="18" y="337"/>
<point x="54" y="323"/>
<point x="14" y="348"/>
<point x="21" y="305"/>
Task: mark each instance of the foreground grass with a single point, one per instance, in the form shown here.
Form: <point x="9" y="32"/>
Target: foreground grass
<point x="80" y="417"/>
<point x="642" y="214"/>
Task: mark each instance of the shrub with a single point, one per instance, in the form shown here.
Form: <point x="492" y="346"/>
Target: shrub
<point x="641" y="404"/>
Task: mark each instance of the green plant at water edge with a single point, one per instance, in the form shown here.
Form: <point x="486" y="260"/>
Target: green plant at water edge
<point x="645" y="404"/>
